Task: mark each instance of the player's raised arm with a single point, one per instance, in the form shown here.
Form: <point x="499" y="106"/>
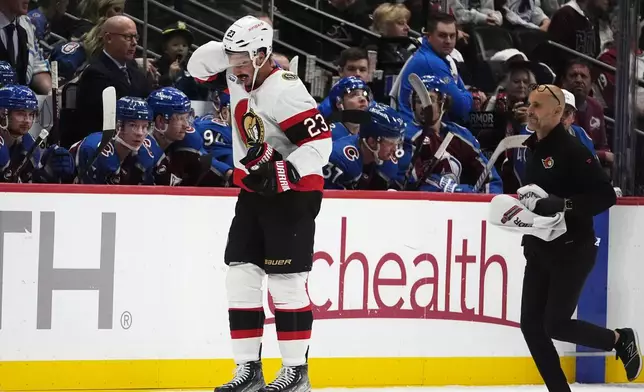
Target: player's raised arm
<point x="208" y="61"/>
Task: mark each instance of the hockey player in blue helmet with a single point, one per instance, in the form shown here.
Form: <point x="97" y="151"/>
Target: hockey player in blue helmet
<point x="216" y="132"/>
<point x="128" y="158"/>
<point x="221" y="104"/>
<point x="7" y="74"/>
<point x="462" y="163"/>
<point x="182" y="159"/>
<point x="368" y="160"/>
<point x="351" y="97"/>
<point x="20" y="158"/>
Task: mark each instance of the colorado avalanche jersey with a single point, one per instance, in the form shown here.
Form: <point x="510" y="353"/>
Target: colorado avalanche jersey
<point x="412" y="131"/>
<point x="338" y="131"/>
<point x="346" y="170"/>
<point x="136" y="168"/>
<point x="280" y="112"/>
<point x="217" y="140"/>
<point x="463" y="159"/>
<point x="12" y="156"/>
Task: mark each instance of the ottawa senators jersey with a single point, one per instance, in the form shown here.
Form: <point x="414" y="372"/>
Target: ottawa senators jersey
<point x="280" y="112"/>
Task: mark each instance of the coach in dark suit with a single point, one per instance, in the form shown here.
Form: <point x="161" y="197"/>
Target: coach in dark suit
<point x="114" y="66"/>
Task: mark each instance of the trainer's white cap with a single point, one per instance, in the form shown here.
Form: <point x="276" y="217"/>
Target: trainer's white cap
<point x="569" y="98"/>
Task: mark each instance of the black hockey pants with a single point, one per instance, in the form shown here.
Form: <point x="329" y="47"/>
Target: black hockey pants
<point x="552" y="285"/>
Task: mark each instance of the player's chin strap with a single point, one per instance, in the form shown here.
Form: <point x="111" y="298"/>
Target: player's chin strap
<point x="255" y="72"/>
<point x="4" y="126"/>
<point x="122" y="142"/>
<point x="398" y="154"/>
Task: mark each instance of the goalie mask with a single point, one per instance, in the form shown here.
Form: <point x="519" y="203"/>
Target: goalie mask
<point x="133" y="116"/>
<point x="384" y="134"/>
<point x="175" y="110"/>
<point x="439" y="93"/>
<point x="18" y="109"/>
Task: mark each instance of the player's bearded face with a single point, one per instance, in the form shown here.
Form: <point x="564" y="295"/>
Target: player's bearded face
<point x="356" y="100"/>
<point x="242" y="67"/>
<point x="134" y="132"/>
<point x="21" y="121"/>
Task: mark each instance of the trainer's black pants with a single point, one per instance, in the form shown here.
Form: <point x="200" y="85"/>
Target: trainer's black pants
<point x="552" y="284"/>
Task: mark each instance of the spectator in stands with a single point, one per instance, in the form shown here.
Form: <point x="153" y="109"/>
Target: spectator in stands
<point x="605" y="80"/>
<point x="92" y="11"/>
<point x="590" y="114"/>
<point x="352" y="62"/>
<point x="45" y="14"/>
<point x="580" y="25"/>
<point x="433" y="58"/>
<point x="418" y="18"/>
<point x="509" y="105"/>
<point x="86" y="39"/>
<point x="525" y="13"/>
<point x="21" y="50"/>
<point x="114" y="66"/>
<point x="391" y="22"/>
<point x="175" y="45"/>
<point x="475" y="12"/>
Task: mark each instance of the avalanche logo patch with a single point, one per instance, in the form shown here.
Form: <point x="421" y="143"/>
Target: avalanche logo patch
<point x="548" y="163"/>
<point x="70" y="47"/>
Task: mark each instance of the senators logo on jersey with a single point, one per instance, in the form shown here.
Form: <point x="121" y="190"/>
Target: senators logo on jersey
<point x="250" y="125"/>
<point x="253" y="127"/>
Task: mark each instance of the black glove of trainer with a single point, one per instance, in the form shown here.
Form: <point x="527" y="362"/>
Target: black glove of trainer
<point x="549" y="206"/>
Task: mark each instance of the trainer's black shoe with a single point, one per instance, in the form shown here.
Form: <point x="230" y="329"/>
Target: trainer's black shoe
<point x="290" y="379"/>
<point x="628" y="350"/>
<point x="248" y="378"/>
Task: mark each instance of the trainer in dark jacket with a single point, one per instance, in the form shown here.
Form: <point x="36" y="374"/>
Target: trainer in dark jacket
<point x="556" y="271"/>
<point x="562" y="166"/>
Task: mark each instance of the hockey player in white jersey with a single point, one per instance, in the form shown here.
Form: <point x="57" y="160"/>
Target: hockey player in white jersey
<point x="280" y="145"/>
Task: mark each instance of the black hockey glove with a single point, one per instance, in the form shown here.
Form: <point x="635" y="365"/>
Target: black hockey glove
<point x="260" y="153"/>
<point x="549" y="206"/>
<point x="271" y="178"/>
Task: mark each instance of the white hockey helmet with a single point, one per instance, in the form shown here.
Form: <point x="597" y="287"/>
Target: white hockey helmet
<point x="249" y="35"/>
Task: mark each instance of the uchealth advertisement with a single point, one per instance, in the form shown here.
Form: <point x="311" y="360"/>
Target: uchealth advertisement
<point x="102" y="277"/>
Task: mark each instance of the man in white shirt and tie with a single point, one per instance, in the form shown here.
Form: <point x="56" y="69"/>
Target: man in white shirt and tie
<point x="20" y="47"/>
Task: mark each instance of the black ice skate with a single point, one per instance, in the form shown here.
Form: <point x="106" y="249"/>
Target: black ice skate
<point x="290" y="379"/>
<point x="248" y="378"/>
<point x="628" y="350"/>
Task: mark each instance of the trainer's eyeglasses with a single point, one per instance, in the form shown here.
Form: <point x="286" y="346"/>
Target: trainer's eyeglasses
<point x="543" y="87"/>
